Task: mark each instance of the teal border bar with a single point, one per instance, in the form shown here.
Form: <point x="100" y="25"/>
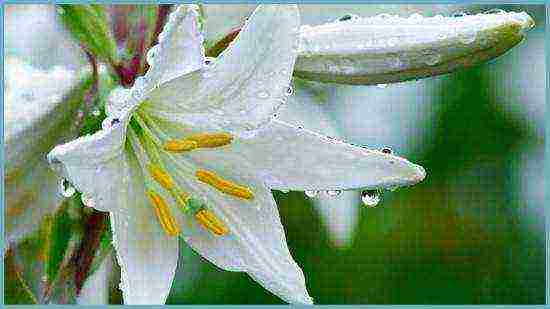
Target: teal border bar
<point x="494" y="2"/>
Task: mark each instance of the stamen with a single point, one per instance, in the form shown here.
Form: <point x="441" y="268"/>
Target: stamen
<point x="208" y="220"/>
<point x="223" y="185"/>
<point x="178" y="145"/>
<point x="211" y="140"/>
<point x="167" y="221"/>
<point x="161" y="177"/>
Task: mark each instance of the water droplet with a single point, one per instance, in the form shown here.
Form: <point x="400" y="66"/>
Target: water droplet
<point x="96" y="113"/>
<point x="209" y="60"/>
<point x="468" y="36"/>
<point x="392" y="42"/>
<point x="289" y="91"/>
<point x="384" y="16"/>
<point x="346" y="17"/>
<point x="333" y="193"/>
<point x="459" y="14"/>
<point x="263" y="94"/>
<point x="432" y="59"/>
<point x="416" y="16"/>
<point x="151" y="53"/>
<point x="382" y="86"/>
<point x="311" y="193"/>
<point x="387" y="150"/>
<point x="66" y="189"/>
<point x="371" y="198"/>
<point x="87" y="200"/>
<point x="495" y="11"/>
<point x="285" y="191"/>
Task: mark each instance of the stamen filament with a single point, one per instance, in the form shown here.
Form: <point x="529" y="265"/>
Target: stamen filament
<point x="208" y="220"/>
<point x="167" y="221"/>
<point x="223" y="185"/>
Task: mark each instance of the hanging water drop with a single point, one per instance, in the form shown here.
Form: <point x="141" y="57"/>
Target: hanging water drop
<point x="371" y="198"/>
<point x="65" y="188"/>
<point x="289" y="91"/>
<point x="311" y="193"/>
<point x="333" y="193"/>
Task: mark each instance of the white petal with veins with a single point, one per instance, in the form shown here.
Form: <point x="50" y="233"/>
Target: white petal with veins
<point x="245" y="85"/>
<point x="179" y="50"/>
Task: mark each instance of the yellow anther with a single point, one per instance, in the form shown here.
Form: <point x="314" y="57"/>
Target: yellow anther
<point x="167" y="221"/>
<point x="184" y="196"/>
<point x="223" y="185"/>
<point x="208" y="220"/>
<point x="179" y="145"/>
<point x="211" y="140"/>
<point x="161" y="177"/>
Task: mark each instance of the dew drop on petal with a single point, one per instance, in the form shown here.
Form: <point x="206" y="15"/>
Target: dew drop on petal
<point x="66" y="189"/>
<point x="371" y="198"/>
<point x="432" y="59"/>
<point x="387" y="150"/>
<point x="87" y="200"/>
<point x="289" y="91"/>
<point x="263" y="94"/>
<point x="333" y="193"/>
<point x="311" y="193"/>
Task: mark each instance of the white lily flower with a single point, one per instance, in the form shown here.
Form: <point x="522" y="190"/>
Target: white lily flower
<point x="36" y="117"/>
<point x="193" y="151"/>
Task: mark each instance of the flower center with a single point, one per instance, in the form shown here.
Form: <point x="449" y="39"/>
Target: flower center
<point x="152" y="147"/>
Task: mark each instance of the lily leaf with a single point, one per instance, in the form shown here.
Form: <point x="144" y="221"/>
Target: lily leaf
<point x="387" y="48"/>
<point x="89" y="24"/>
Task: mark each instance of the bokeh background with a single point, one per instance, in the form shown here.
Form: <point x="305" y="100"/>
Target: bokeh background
<point x="471" y="233"/>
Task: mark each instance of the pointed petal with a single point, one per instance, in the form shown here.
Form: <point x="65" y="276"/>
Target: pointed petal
<point x="307" y="107"/>
<point x="96" y="165"/>
<point x="146" y="255"/>
<point x="180" y="49"/>
<point x="245" y="85"/>
<point x="256" y="243"/>
<point x="385" y="48"/>
<point x="292" y="158"/>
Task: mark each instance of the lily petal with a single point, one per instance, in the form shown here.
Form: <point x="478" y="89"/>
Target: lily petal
<point x="386" y="49"/>
<point x="293" y="158"/>
<point x="39" y="112"/>
<point x="255" y="244"/>
<point x="96" y="164"/>
<point x="180" y="49"/>
<point x="243" y="87"/>
<point x="147" y="256"/>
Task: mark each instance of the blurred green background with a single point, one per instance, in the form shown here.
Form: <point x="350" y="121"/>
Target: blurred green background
<point x="471" y="233"/>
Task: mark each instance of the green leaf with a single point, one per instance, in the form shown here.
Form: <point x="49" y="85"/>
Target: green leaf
<point x="89" y="24"/>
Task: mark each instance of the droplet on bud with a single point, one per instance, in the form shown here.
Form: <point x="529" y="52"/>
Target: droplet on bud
<point x="333" y="193"/>
<point x="311" y="193"/>
<point x="66" y="189"/>
<point x="371" y="198"/>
